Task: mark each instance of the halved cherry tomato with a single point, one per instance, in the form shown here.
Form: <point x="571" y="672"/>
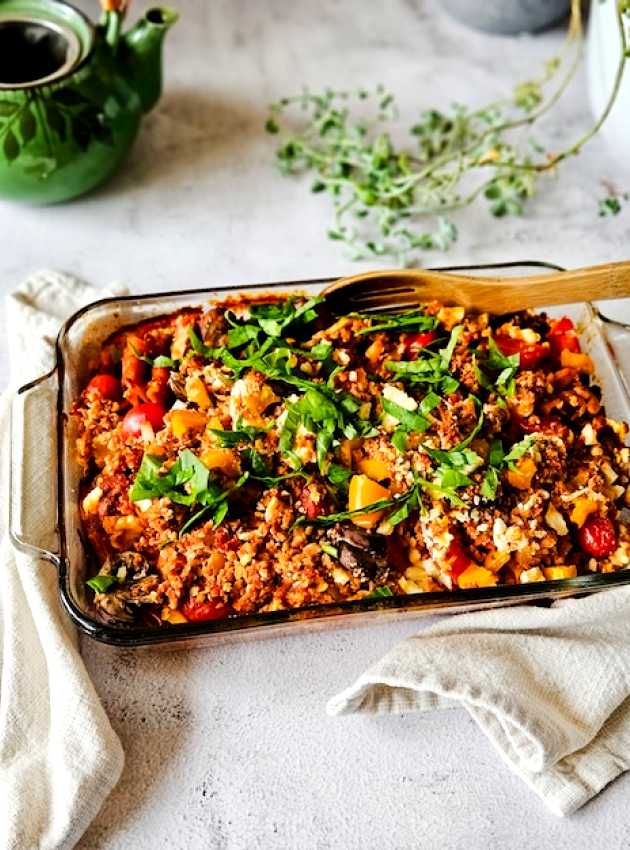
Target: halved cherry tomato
<point x="197" y="612"/>
<point x="563" y="337"/>
<point x="106" y="385"/>
<point x="597" y="537"/>
<point x="414" y="342"/>
<point x="149" y="411"/>
<point x="458" y="557"/>
<point x="530" y="353"/>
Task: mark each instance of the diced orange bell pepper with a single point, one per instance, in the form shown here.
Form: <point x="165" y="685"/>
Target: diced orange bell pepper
<point x="363" y="491"/>
<point x="224" y="460"/>
<point x="375" y="468"/>
<point x="494" y="560"/>
<point x="475" y="576"/>
<point x="374" y="351"/>
<point x="576" y="360"/>
<point x="182" y="421"/>
<point x="559" y="571"/>
<point x="346" y="447"/>
<point x="521" y="477"/>
<point x="197" y="393"/>
<point x="171" y="616"/>
<point x="581" y="509"/>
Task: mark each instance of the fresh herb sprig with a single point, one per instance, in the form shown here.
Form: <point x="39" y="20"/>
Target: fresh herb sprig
<point x="186" y="483"/>
<point x="382" y="192"/>
<point x="498" y="460"/>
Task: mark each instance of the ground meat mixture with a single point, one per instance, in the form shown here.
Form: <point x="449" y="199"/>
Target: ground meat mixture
<point x="262" y="454"/>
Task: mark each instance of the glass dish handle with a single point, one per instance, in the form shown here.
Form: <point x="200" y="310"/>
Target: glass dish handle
<point x="33" y="469"/>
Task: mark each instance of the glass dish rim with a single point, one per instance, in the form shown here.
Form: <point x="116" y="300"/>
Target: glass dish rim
<point x="434" y="602"/>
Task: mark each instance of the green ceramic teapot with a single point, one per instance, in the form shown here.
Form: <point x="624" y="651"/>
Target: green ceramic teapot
<point x="72" y="94"/>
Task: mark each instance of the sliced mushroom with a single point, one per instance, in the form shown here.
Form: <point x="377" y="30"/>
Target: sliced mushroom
<point x="363" y="554"/>
<point x="177" y="385"/>
<point x="121" y="606"/>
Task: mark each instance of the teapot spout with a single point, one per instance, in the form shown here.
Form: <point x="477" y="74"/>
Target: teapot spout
<point x="143" y="51"/>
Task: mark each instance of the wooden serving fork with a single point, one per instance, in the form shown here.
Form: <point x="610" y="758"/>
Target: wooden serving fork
<point x="390" y="291"/>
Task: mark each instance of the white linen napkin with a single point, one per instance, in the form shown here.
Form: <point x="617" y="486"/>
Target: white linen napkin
<point x="59" y="756"/>
<point x="550" y="687"/>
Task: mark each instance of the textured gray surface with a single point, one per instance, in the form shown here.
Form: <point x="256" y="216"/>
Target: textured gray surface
<point x="230" y="747"/>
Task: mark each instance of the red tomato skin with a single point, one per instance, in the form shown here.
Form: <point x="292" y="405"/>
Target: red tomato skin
<point x="107" y="386"/>
<point x="598" y="537"/>
<point x="199" y="612"/>
<point x="563" y="337"/>
<point x="531" y="354"/>
<point x="149" y="411"/>
<point x="414" y="342"/>
<point x="459" y="559"/>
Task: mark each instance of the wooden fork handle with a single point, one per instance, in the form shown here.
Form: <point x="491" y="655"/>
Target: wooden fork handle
<point x="492" y="294"/>
<point x="596" y="283"/>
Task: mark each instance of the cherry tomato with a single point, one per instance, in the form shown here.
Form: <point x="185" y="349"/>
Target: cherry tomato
<point x="198" y="612"/>
<point x="150" y="411"/>
<point x="414" y="342"/>
<point x="530" y="353"/>
<point x="106" y="385"/>
<point x="563" y="337"/>
<point x="597" y="537"/>
<point x="459" y="559"/>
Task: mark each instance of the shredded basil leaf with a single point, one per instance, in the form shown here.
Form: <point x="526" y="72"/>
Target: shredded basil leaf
<point x="102" y="583"/>
<point x="379" y="593"/>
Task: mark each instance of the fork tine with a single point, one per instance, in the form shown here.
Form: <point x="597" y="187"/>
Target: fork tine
<point x="382" y="303"/>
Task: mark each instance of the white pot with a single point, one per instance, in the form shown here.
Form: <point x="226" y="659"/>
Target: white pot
<point x="603" y="55"/>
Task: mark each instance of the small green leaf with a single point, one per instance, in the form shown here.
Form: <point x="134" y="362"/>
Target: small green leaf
<point x="271" y="126"/>
<point x="11" y="146"/>
<point x="329" y="550"/>
<point x="490" y="483"/>
<point x="407" y="418"/>
<point x="379" y="593"/>
<point x="101" y="583"/>
<point x="28" y="124"/>
<point x="56" y="119"/>
<point x="8" y="107"/>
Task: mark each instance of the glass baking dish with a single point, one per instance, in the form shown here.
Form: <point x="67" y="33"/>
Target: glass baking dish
<point x="52" y="395"/>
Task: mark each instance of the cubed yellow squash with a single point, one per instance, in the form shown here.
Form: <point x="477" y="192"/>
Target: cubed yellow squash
<point x="475" y="576"/>
<point x="224" y="460"/>
<point x="183" y="421"/>
<point x="521" y="477"/>
<point x="346" y="447"/>
<point x="494" y="560"/>
<point x="197" y="393"/>
<point x="363" y="492"/>
<point x="581" y="509"/>
<point x="576" y="360"/>
<point x="375" y="468"/>
<point x="559" y="571"/>
<point x="171" y="616"/>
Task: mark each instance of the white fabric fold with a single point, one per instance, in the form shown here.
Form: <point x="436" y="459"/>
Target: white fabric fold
<point x="549" y="686"/>
<point x="59" y="756"/>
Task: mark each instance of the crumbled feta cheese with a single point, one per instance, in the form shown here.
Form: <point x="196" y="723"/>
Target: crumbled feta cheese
<point x="588" y="435"/>
<point x="555" y="521"/>
<point x="529" y="576"/>
<point x="400" y="398"/>
<point x="90" y="502"/>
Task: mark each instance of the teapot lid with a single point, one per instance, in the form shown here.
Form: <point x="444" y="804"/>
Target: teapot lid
<point x="41" y="41"/>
